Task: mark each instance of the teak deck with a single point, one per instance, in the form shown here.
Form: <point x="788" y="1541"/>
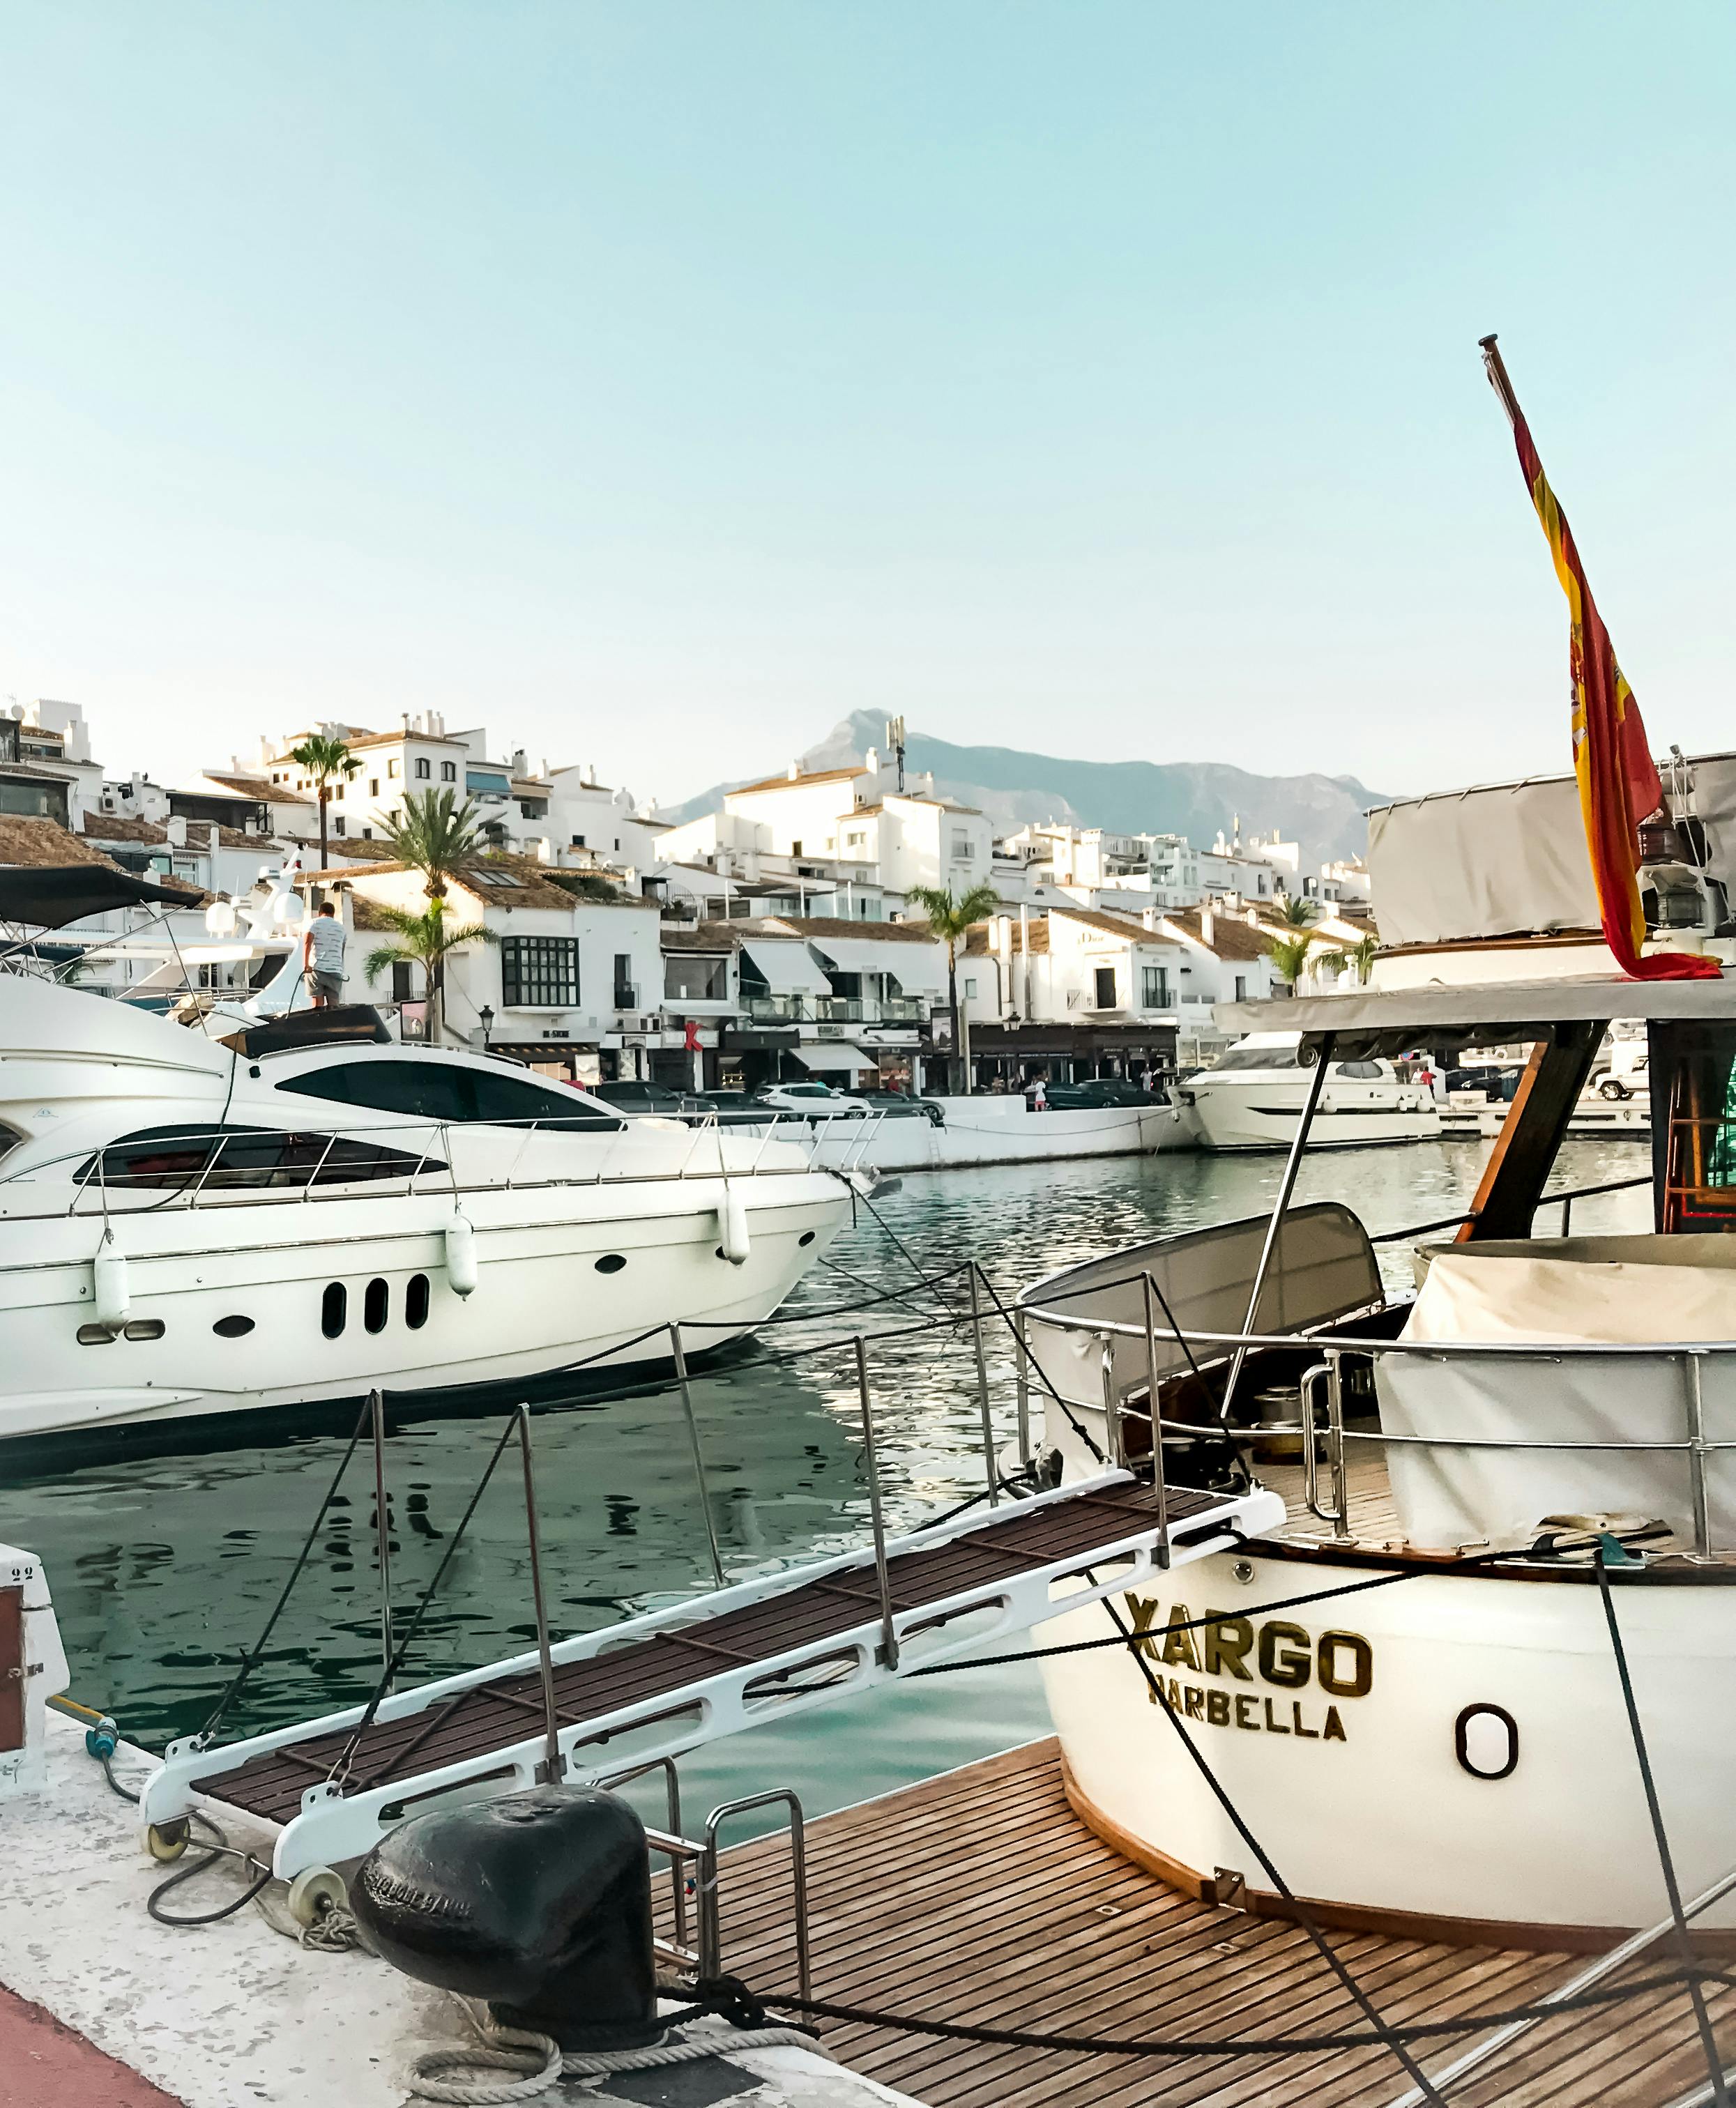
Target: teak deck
<point x="495" y="1715"/>
<point x="980" y="1896"/>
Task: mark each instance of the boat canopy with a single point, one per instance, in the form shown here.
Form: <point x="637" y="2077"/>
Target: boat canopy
<point x="1368" y="1022"/>
<point x="52" y="895"/>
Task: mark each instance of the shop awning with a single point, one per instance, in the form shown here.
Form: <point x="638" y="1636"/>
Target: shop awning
<point x="920" y="968"/>
<point x="833" y="1054"/>
<point x="788" y="968"/>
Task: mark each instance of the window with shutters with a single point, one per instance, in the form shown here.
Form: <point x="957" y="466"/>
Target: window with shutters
<point x="539" y="973"/>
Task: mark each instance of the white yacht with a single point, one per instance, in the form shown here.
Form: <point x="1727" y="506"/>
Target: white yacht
<point x="1254" y="1095"/>
<point x="307" y="1210"/>
<point x="1533" y="1448"/>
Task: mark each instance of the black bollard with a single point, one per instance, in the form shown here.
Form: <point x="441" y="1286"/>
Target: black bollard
<point x="539" y="1903"/>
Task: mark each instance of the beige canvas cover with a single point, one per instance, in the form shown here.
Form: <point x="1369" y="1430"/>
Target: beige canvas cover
<point x="1510" y="858"/>
<point x="1660" y="1293"/>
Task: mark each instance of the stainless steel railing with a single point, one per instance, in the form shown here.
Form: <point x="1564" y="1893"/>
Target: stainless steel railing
<point x="426" y="1146"/>
<point x="1327" y="1372"/>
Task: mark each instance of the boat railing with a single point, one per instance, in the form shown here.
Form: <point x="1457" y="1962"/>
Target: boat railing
<point x="427" y="1149"/>
<point x="1325" y="1371"/>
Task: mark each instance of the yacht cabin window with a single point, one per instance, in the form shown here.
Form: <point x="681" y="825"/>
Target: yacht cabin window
<point x="1256" y="1058"/>
<point x="433" y="1091"/>
<point x="226" y="1159"/>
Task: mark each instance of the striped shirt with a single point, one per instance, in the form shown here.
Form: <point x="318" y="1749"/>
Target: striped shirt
<point x="328" y="944"/>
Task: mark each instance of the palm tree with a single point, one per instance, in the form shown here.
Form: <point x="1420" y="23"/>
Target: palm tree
<point x="1359" y="959"/>
<point x="434" y="834"/>
<point x="428" y="940"/>
<point x="1289" y="956"/>
<point x="324" y="756"/>
<point x="950" y="921"/>
<point x="1297" y="911"/>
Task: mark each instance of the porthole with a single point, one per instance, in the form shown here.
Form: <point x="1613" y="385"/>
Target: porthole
<point x="232" y="1328"/>
<point x="611" y="1263"/>
<point x="334" y="1309"/>
<point x="143" y="1328"/>
<point x="416" y="1302"/>
<point x="95" y="1335"/>
<point x="805" y="1238"/>
<point x="376" y="1305"/>
<point x="1485" y="1740"/>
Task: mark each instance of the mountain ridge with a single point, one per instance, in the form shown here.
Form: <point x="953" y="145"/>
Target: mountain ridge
<point x="1326" y="814"/>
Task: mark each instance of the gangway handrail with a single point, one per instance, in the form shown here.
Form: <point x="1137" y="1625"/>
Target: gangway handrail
<point x="1017" y="1590"/>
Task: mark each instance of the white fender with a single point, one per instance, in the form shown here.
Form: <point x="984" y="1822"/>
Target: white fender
<point x="732" y="1226"/>
<point x="109" y="1270"/>
<point x="461" y="1256"/>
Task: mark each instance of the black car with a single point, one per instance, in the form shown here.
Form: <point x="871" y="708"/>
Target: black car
<point x="899" y="1104"/>
<point x="1098" y="1091"/>
<point x="733" y="1108"/>
<point x="636" y="1097"/>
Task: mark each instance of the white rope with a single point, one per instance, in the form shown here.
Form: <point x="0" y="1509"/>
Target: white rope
<point x="459" y="2075"/>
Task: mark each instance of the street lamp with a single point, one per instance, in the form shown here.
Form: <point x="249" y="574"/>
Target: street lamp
<point x="487" y="1017"/>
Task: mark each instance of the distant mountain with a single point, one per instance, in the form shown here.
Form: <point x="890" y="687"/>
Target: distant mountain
<point x="1324" y="813"/>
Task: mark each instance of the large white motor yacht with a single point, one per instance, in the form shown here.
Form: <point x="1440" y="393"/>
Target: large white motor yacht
<point x="193" y="1227"/>
<point x="1254" y="1095"/>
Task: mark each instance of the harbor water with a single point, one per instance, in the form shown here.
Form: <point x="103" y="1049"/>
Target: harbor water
<point x="164" y="1566"/>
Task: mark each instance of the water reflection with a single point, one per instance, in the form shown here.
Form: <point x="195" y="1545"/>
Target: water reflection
<point x="164" y="1568"/>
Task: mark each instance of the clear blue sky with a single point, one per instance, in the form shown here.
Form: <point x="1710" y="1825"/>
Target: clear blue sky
<point x="657" y="383"/>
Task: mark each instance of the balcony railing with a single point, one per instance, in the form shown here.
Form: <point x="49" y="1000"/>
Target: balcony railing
<point x="781" y="1009"/>
<point x="838" y="1009"/>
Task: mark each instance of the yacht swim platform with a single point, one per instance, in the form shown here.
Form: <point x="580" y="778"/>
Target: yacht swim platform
<point x="981" y="1897"/>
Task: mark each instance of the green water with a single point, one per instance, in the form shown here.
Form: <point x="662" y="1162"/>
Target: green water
<point x="163" y="1568"/>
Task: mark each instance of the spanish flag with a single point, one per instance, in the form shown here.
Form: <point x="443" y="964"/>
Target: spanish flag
<point x="1617" y="778"/>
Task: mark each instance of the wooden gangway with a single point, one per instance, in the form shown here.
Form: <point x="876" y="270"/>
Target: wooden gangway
<point x="659" y="1685"/>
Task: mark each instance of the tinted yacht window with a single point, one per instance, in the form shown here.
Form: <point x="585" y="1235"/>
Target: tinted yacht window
<point x="223" y="1159"/>
<point x="1256" y="1058"/>
<point x="433" y="1090"/>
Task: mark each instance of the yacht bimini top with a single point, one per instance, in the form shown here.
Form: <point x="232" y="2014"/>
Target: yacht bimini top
<point x="1372" y="1021"/>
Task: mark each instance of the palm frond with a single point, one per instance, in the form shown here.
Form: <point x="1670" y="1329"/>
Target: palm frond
<point x="324" y="755"/>
<point x="434" y="834"/>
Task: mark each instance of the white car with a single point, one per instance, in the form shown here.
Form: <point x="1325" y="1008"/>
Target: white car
<point x="819" y="1100"/>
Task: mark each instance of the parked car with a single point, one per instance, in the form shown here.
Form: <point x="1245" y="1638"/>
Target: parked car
<point x="1100" y="1091"/>
<point x="819" y="1099"/>
<point x="733" y="1108"/>
<point x="900" y="1103"/>
<point x="637" y="1098"/>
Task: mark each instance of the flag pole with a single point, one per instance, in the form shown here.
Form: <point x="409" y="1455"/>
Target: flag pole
<point x="1496" y="366"/>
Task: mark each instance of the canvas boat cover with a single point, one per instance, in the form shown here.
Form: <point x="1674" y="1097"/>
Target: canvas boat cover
<point x="1656" y="1292"/>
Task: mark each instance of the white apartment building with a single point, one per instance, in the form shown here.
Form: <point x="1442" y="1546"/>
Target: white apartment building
<point x="851" y="825"/>
<point x="46" y="768"/>
<point x="567" y="982"/>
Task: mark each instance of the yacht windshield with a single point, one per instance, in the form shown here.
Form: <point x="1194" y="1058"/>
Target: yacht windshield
<point x="1256" y="1058"/>
<point x="443" y="1090"/>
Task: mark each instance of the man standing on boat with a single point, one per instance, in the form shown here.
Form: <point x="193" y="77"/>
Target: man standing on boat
<point x="322" y="958"/>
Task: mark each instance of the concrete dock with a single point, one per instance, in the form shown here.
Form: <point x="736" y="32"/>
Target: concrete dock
<point x="108" y="2009"/>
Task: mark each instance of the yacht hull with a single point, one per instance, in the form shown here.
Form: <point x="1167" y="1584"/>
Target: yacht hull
<point x="1263" y="1116"/>
<point x="1354" y="1738"/>
<point x="235" y="1307"/>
